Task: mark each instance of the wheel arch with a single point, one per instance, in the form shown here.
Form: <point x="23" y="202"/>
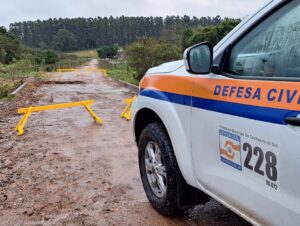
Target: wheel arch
<point x="188" y="195"/>
<point x="170" y="121"/>
<point x="144" y="117"/>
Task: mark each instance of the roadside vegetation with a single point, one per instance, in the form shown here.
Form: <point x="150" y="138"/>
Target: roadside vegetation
<point x="108" y="51"/>
<point x="121" y="71"/>
<point x="18" y="62"/>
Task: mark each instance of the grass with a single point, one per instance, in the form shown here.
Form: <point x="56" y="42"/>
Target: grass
<point x="12" y="75"/>
<point x="119" y="71"/>
<point x="74" y="59"/>
<point x="122" y="74"/>
<point x="7" y="86"/>
<point x="92" y="53"/>
<point x="18" y="70"/>
<point x="72" y="62"/>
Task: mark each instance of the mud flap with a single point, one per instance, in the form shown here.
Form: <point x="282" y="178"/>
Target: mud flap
<point x="189" y="196"/>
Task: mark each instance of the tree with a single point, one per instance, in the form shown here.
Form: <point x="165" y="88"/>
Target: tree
<point x="209" y="33"/>
<point x="65" y="40"/>
<point x="149" y="52"/>
<point x="103" y="31"/>
<point x="10" y="48"/>
<point x="187" y="34"/>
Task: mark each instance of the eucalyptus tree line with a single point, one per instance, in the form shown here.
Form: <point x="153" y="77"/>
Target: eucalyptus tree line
<point x="88" y="33"/>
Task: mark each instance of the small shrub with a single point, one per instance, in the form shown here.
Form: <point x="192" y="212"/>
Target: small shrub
<point x="100" y="53"/>
<point x="108" y="51"/>
<point x="51" y="57"/>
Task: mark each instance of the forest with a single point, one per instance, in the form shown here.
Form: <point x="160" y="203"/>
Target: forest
<point x="90" y="33"/>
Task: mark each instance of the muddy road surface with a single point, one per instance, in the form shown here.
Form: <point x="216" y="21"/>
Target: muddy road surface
<point x="68" y="170"/>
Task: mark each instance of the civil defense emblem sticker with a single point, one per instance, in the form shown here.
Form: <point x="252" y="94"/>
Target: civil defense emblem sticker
<point x="230" y="149"/>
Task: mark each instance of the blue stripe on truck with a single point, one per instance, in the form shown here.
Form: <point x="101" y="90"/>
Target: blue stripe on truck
<point x="265" y="114"/>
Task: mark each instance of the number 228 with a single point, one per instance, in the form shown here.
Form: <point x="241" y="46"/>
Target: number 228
<point x="268" y="159"/>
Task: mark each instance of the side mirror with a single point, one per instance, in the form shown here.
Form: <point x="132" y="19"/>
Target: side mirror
<point x="198" y="59"/>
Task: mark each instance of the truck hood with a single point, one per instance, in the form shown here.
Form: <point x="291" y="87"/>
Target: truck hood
<point x="166" y="67"/>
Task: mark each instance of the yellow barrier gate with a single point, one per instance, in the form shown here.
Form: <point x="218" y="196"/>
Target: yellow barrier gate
<point x="67" y="69"/>
<point x="126" y="113"/>
<point x="27" y="112"/>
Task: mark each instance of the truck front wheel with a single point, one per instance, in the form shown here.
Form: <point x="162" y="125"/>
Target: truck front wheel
<point x="158" y="169"/>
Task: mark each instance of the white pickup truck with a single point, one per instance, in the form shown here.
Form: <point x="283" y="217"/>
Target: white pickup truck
<point x="224" y="122"/>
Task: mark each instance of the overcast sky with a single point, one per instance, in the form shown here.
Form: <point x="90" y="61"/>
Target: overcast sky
<point x="21" y="10"/>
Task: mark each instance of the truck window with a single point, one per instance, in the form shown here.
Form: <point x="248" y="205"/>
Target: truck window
<point x="271" y="49"/>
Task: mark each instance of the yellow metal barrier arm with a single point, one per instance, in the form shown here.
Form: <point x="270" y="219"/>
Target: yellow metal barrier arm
<point x="105" y="73"/>
<point x="20" y="126"/>
<point x="56" y="106"/>
<point x="126" y="113"/>
<point x="27" y="112"/>
<point x="93" y="115"/>
<point x="66" y="69"/>
<point x="125" y="110"/>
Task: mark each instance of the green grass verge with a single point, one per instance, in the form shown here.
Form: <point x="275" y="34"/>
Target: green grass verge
<point x="122" y="74"/>
<point x="18" y="70"/>
<point x="119" y="71"/>
<point x="7" y="86"/>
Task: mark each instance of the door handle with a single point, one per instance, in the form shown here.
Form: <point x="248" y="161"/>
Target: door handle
<point x="292" y="121"/>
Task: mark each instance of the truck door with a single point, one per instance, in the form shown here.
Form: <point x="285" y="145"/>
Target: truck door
<point x="245" y="121"/>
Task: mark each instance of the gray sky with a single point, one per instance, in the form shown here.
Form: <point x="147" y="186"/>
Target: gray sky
<point x="20" y="10"/>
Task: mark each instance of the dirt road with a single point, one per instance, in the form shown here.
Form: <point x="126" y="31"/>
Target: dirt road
<point x="68" y="170"/>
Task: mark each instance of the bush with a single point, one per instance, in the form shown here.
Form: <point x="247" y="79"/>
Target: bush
<point x="36" y="56"/>
<point x="51" y="57"/>
<point x="100" y="53"/>
<point x="108" y="51"/>
<point x="149" y="52"/>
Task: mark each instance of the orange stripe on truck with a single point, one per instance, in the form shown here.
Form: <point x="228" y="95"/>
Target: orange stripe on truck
<point x="273" y="94"/>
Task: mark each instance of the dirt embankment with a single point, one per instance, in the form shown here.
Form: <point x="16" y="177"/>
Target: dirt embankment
<point x="68" y="170"/>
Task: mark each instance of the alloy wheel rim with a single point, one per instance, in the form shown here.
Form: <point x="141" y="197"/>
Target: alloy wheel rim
<point x="155" y="169"/>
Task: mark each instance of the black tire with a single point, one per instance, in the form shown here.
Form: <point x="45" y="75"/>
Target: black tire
<point x="168" y="204"/>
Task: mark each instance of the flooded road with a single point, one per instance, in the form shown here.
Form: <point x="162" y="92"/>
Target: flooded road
<point x="68" y="170"/>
